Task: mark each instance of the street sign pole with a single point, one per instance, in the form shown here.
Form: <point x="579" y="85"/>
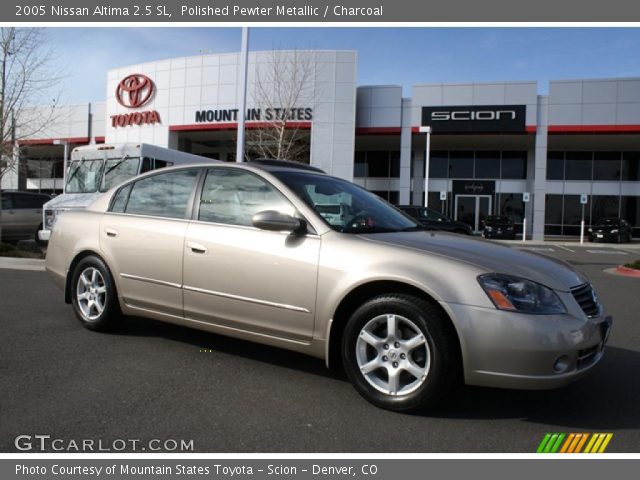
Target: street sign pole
<point x="583" y="201"/>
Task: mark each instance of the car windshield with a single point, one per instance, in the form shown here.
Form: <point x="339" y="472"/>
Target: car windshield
<point x="497" y="219"/>
<point x="608" y="221"/>
<point x="117" y="170"/>
<point x="344" y="206"/>
<point x="83" y="176"/>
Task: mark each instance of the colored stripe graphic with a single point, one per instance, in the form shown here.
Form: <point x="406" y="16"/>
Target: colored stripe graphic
<point x="574" y="443"/>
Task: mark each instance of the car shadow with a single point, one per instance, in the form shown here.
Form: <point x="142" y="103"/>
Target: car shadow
<point x="607" y="399"/>
<point x="143" y="327"/>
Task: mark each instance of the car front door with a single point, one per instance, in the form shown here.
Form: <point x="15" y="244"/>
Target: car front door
<point x="241" y="277"/>
<point x="142" y="237"/>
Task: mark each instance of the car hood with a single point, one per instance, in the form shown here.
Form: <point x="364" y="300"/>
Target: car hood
<point x="74" y="201"/>
<point x="488" y="256"/>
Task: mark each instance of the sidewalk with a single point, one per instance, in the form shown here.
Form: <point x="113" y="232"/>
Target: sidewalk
<point x="33" y="264"/>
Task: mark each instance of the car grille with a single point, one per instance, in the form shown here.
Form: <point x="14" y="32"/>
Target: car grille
<point x="586" y="298"/>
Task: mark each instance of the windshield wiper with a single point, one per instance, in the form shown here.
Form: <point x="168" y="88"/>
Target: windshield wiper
<point x="115" y="166"/>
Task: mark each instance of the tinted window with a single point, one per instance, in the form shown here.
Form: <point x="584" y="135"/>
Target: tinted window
<point x="28" y="201"/>
<point x="438" y="164"/>
<point x="578" y="166"/>
<point x="512" y="206"/>
<point x="573" y="211"/>
<point x="147" y="165"/>
<point x="514" y="165"/>
<point x="631" y="166"/>
<point x="461" y="165"/>
<point x="7" y="201"/>
<point x="553" y="210"/>
<point x="360" y="165"/>
<point x="606" y="166"/>
<point x="233" y="197"/>
<point x="555" y="166"/>
<point x="378" y="164"/>
<point x="164" y="195"/>
<point x="487" y="164"/>
<point x="605" y="206"/>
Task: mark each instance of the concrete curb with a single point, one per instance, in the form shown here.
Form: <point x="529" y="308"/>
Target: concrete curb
<point x="627" y="272"/>
<point x="32" y="264"/>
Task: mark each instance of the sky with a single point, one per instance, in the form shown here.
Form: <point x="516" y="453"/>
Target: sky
<point x="386" y="56"/>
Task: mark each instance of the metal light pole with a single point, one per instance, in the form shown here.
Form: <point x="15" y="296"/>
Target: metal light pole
<point x="244" y="61"/>
<point x="65" y="157"/>
<point x="427" y="155"/>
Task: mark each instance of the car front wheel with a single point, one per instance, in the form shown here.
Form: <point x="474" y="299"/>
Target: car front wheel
<point x="400" y="353"/>
<point x="93" y="295"/>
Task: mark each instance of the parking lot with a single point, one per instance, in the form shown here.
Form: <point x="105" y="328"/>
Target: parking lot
<point x="156" y="381"/>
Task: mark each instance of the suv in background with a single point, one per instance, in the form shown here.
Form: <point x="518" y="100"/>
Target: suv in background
<point x="433" y="220"/>
<point x="21" y="214"/>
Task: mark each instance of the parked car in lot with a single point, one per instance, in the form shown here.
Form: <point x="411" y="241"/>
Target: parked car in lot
<point x="21" y="214"/>
<point x="433" y="220"/>
<point x="499" y="226"/>
<point x="252" y="252"/>
<point x="611" y="230"/>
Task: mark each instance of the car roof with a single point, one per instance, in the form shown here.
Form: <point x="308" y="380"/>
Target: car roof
<point x="275" y="164"/>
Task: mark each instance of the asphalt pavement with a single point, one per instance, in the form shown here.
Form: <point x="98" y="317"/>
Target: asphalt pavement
<point x="152" y="380"/>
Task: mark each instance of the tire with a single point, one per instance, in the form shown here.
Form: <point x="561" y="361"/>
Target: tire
<point x="434" y="360"/>
<point x="94" y="296"/>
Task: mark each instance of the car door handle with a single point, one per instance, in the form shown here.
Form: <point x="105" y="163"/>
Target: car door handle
<point x="196" y="247"/>
<point x="111" y="232"/>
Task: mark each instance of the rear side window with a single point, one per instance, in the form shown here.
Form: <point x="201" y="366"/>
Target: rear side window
<point x="120" y="200"/>
<point x="164" y="195"/>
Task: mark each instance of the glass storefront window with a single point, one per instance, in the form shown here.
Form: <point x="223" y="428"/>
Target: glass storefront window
<point x="512" y="206"/>
<point x="630" y="211"/>
<point x="360" y="165"/>
<point x="631" y="166"/>
<point x="514" y="165"/>
<point x="378" y="163"/>
<point x="438" y="164"/>
<point x="553" y="210"/>
<point x="604" y="206"/>
<point x="578" y="165"/>
<point x="461" y="165"/>
<point x="606" y="166"/>
<point x="573" y="211"/>
<point x="555" y="166"/>
<point x="487" y="165"/>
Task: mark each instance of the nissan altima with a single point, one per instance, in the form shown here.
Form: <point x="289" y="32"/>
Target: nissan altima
<point x="301" y="260"/>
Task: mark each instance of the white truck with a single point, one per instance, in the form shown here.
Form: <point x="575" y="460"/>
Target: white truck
<point x="94" y="169"/>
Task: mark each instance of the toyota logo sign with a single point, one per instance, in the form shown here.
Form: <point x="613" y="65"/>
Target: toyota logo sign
<point x="134" y="90"/>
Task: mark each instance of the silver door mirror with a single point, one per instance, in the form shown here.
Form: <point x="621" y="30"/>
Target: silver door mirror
<point x="278" y="222"/>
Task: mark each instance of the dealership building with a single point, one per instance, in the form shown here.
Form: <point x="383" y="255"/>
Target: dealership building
<point x="493" y="148"/>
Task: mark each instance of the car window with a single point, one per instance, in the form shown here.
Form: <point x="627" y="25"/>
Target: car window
<point x="27" y="201"/>
<point x="120" y="200"/>
<point x="431" y="215"/>
<point x="7" y="201"/>
<point x="164" y="195"/>
<point x="233" y="197"/>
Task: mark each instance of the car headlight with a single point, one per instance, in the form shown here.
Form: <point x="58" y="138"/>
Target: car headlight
<point x="590" y="229"/>
<point x="488" y="229"/>
<point x="615" y="230"/>
<point x="49" y="219"/>
<point x="520" y="295"/>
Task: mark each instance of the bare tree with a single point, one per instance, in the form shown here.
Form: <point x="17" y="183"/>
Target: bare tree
<point x="27" y="79"/>
<point x="282" y="88"/>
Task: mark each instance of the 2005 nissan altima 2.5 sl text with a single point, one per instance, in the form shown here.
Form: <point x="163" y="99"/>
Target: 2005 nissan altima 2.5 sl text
<point x="295" y="258"/>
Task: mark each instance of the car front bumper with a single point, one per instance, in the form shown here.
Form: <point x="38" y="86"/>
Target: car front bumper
<point x="603" y="237"/>
<point x="515" y="350"/>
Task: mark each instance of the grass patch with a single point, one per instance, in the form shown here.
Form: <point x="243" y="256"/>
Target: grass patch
<point x="635" y="265"/>
<point x="11" y="250"/>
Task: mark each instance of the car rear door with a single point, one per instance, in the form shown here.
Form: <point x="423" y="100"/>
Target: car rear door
<point x="142" y="237"/>
<point x="241" y="277"/>
<point x="28" y="208"/>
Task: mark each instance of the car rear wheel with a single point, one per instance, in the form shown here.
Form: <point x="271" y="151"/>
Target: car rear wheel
<point x="93" y="295"/>
<point x="400" y="353"/>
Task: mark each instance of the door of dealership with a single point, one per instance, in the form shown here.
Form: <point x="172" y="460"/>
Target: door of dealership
<point x="472" y="209"/>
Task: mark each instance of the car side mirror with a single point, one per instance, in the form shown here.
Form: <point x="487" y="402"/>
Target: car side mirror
<point x="278" y="222"/>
